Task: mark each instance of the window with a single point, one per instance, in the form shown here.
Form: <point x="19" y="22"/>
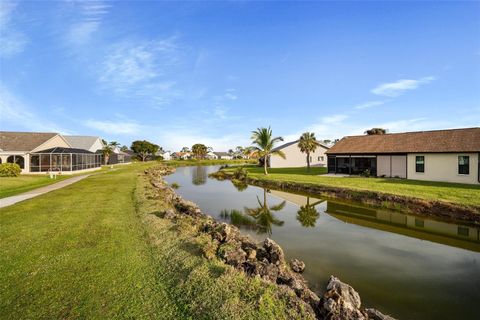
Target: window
<point x="463" y="165"/>
<point x="18" y="160"/>
<point x="420" y="164"/>
<point x="320" y="158"/>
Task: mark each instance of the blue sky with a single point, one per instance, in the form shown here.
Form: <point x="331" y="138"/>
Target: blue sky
<point x="178" y="73"/>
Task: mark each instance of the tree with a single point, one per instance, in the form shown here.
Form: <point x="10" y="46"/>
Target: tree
<point x="308" y="215"/>
<point x="374" y="131"/>
<point x="308" y="144"/>
<point x="114" y="144"/>
<point x="144" y="148"/>
<point x="264" y="144"/>
<point x="199" y="150"/>
<point x="106" y="152"/>
<point x="124" y="148"/>
<point x="185" y="149"/>
<point x="263" y="215"/>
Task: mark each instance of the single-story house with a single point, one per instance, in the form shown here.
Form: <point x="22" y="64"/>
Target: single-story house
<point x="296" y="158"/>
<point x="223" y="155"/>
<point x="43" y="152"/>
<point x="119" y="157"/>
<point x="439" y="155"/>
<point x="90" y="143"/>
<point x="211" y="156"/>
<point x="180" y="155"/>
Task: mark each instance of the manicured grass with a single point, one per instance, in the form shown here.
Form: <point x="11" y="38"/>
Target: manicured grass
<point x="464" y="194"/>
<point x="96" y="249"/>
<point x="15" y="185"/>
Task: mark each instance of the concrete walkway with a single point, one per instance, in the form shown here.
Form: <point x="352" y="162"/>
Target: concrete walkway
<point x="5" y="202"/>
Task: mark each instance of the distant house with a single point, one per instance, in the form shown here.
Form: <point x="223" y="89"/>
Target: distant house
<point x="90" y="143"/>
<point x="223" y="155"/>
<point x="211" y="156"/>
<point x="42" y="152"/>
<point x="180" y="155"/>
<point x="440" y="155"/>
<point x="296" y="158"/>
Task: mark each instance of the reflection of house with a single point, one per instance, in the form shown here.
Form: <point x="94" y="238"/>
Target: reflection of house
<point x="441" y="155"/>
<point x="223" y="155"/>
<point x="37" y="152"/>
<point x="426" y="229"/>
<point x="296" y="158"/>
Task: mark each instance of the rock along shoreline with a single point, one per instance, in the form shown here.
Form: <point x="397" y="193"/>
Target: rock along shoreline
<point x="265" y="260"/>
<point x="436" y="209"/>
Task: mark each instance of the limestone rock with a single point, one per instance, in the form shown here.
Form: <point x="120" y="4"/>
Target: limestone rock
<point x="297" y="265"/>
<point x="374" y="314"/>
<point x="341" y="302"/>
<point x="274" y="251"/>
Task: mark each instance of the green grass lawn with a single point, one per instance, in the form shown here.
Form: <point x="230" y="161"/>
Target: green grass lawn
<point x="96" y="250"/>
<point x="451" y="192"/>
<point x="14" y="185"/>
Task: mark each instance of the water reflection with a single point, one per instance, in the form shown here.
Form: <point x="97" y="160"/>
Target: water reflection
<point x="429" y="268"/>
<point x="199" y="175"/>
<point x="307" y="215"/>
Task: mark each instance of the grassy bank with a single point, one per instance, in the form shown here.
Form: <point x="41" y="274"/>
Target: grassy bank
<point x="461" y="194"/>
<point x="96" y="249"/>
<point x="15" y="185"/>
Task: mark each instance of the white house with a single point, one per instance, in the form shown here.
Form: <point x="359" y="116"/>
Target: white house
<point x="223" y="155"/>
<point x="42" y="152"/>
<point x="295" y="158"/>
<point x="439" y="155"/>
<point x="90" y="143"/>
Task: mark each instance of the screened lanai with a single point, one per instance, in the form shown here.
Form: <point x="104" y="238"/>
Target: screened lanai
<point x="64" y="159"/>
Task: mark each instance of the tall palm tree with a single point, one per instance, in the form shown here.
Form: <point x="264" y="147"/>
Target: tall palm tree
<point x="308" y="144"/>
<point x="307" y="215"/>
<point x="264" y="144"/>
<point x="263" y="215"/>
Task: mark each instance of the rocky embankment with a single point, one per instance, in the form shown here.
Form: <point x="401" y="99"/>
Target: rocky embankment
<point x="265" y="260"/>
<point x="429" y="208"/>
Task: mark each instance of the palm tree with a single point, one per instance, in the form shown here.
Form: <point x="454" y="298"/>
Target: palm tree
<point x="263" y="215"/>
<point x="199" y="150"/>
<point x="106" y="152"/>
<point x="307" y="215"/>
<point x="264" y="144"/>
<point x="308" y="144"/>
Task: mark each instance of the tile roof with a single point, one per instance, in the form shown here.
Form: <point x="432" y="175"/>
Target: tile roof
<point x="23" y="141"/>
<point x="453" y="140"/>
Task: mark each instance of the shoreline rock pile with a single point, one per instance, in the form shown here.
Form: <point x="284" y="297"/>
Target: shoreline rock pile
<point x="265" y="260"/>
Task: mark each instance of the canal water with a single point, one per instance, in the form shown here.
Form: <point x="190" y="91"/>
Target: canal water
<point x="404" y="265"/>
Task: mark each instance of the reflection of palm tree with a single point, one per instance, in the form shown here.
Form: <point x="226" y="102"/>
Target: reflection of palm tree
<point x="263" y="215"/>
<point x="199" y="176"/>
<point x="308" y="215"/>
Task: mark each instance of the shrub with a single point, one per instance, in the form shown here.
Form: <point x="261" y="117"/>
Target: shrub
<point x="240" y="174"/>
<point x="366" y="173"/>
<point x="175" y="185"/>
<point x="9" y="170"/>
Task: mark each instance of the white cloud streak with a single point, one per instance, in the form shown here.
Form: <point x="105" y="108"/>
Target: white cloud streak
<point x="117" y="127"/>
<point x="12" y="41"/>
<point x="371" y="104"/>
<point x="88" y="22"/>
<point x="17" y="116"/>
<point x="394" y="89"/>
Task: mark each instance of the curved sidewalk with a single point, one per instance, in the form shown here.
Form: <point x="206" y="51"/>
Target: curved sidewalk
<point x="8" y="201"/>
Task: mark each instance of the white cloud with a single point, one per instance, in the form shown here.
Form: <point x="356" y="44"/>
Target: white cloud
<point x="120" y="127"/>
<point x="140" y="69"/>
<point x="333" y="119"/>
<point x="370" y="104"/>
<point x="394" y="89"/>
<point x="87" y="22"/>
<point x="16" y="115"/>
<point x="12" y="41"/>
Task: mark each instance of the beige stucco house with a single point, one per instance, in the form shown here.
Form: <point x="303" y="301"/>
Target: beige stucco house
<point x="295" y="158"/>
<point x="440" y="155"/>
<point x="45" y="152"/>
